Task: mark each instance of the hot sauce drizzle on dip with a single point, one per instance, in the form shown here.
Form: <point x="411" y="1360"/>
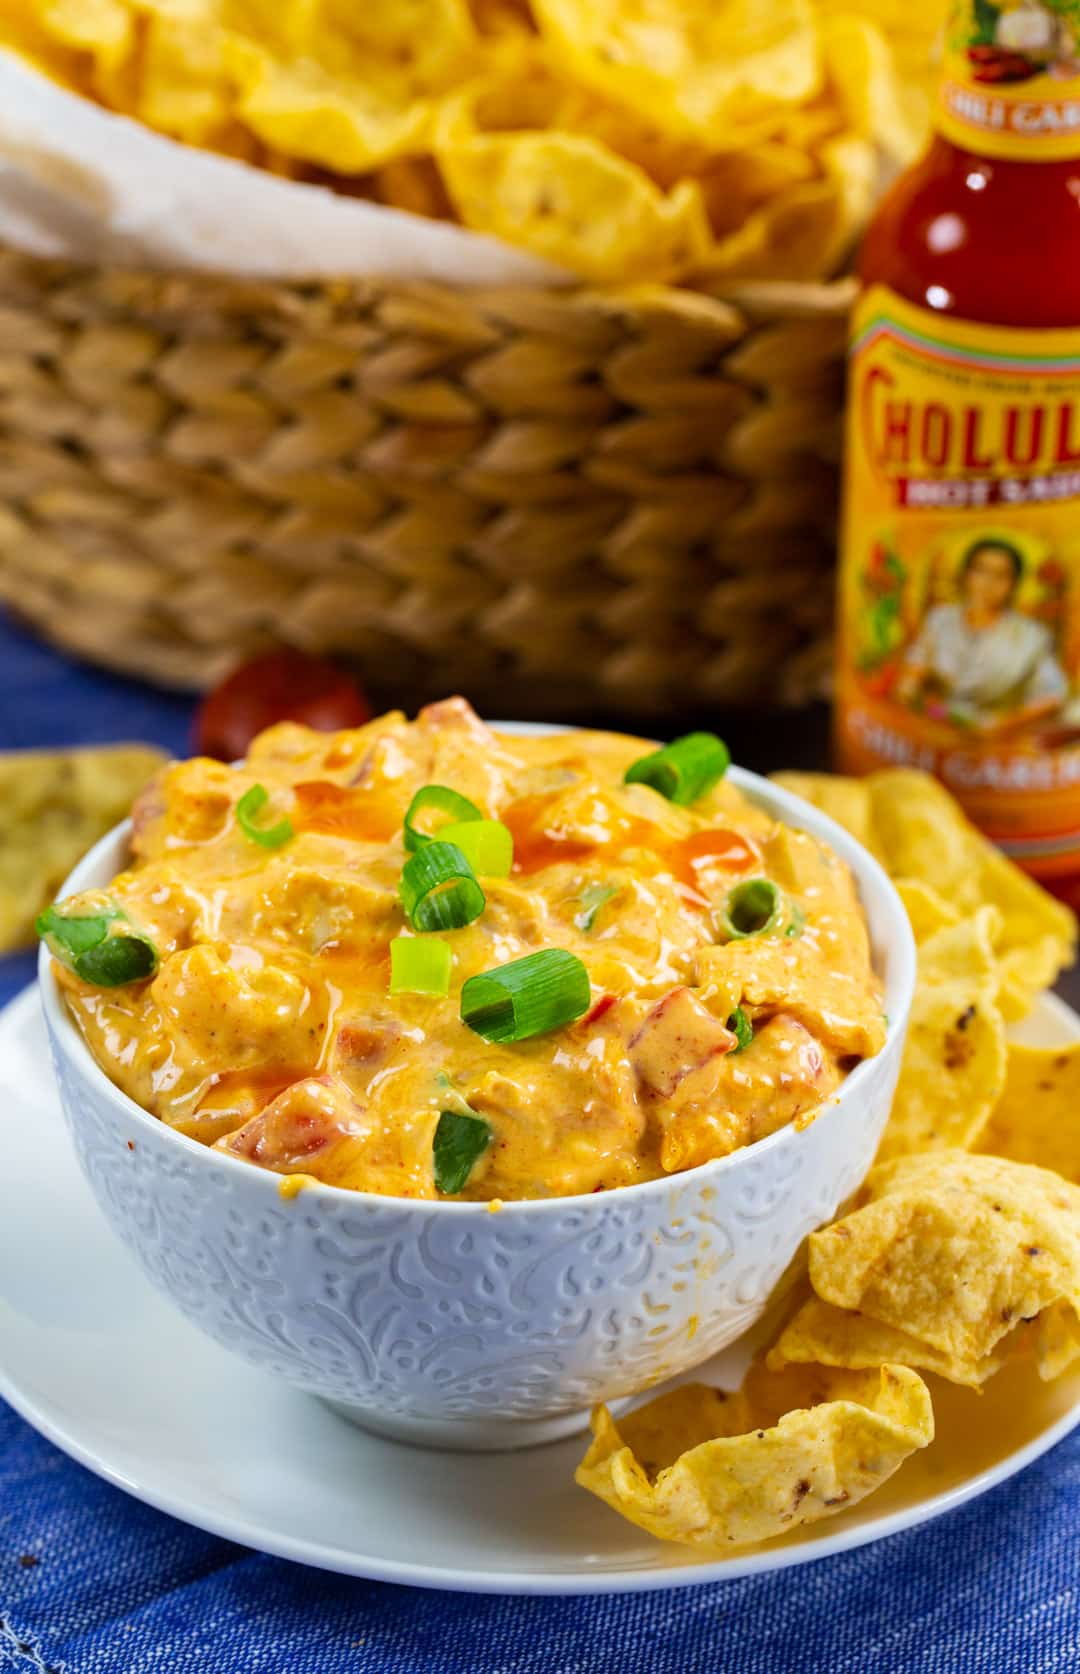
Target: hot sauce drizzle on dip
<point x="269" y="1027"/>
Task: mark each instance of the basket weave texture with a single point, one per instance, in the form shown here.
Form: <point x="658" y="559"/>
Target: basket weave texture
<point x="550" y="500"/>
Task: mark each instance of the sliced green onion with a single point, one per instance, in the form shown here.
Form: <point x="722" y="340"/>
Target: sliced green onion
<point x="592" y="899"/>
<point x="684" y="769"/>
<point x="419" y="966"/>
<point x="527" y="997"/>
<point x="459" y="1142"/>
<point x="447" y="801"/>
<point x="742" y="1028"/>
<point x="67" y="935"/>
<point x="487" y="845"/>
<point x="438" y="890"/>
<point x="117" y="960"/>
<point x="797" y="923"/>
<point x="752" y="908"/>
<point x="250" y="805"/>
<point x="82" y="943"/>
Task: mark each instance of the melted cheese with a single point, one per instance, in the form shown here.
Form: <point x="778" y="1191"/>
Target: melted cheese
<point x="269" y="1029"/>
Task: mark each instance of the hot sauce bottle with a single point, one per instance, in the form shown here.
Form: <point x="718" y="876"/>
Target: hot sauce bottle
<point x="959" y="620"/>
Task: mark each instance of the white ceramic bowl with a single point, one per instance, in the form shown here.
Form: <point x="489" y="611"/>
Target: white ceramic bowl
<point x="450" y="1324"/>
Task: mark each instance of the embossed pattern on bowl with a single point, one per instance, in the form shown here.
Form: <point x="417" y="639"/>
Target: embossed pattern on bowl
<point x="450" y="1323"/>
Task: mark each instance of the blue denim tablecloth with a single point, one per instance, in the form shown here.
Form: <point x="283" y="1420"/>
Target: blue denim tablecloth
<point x="91" y="1582"/>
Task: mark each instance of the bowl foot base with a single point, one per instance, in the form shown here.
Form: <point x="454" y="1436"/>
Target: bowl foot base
<point x="463" y="1435"/>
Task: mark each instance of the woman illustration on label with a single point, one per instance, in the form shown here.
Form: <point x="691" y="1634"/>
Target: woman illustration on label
<point x="979" y="663"/>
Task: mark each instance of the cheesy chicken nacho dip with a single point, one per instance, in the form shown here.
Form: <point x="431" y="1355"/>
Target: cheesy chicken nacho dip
<point x="427" y="959"/>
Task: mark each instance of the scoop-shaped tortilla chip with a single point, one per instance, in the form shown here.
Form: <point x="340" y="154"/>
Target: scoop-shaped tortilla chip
<point x="953" y="1250"/>
<point x="926" y="908"/>
<point x="713" y="1470"/>
<point x="933" y="853"/>
<point x="953" y="1068"/>
<point x="1037" y="1117"/>
<point x="924" y="834"/>
<point x="964" y="948"/>
<point x="1057" y="1340"/>
<point x="821" y="1334"/>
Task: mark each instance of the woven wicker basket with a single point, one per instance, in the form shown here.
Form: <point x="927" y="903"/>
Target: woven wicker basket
<point x="552" y="501"/>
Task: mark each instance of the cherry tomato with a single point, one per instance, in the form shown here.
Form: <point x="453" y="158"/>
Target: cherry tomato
<point x="283" y="685"/>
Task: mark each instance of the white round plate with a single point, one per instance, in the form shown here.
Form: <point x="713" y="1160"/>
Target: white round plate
<point x="102" y="1366"/>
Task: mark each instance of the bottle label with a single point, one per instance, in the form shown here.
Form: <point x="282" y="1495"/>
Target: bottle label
<point x="1011" y="82"/>
<point x="959" y="644"/>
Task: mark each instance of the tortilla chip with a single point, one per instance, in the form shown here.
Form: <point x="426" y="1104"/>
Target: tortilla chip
<point x="810" y="125"/>
<point x="953" y="1067"/>
<point x="823" y="1335"/>
<point x="927" y="910"/>
<point x="688" y="67"/>
<point x="502" y="18"/>
<point x="1037" y="1118"/>
<point x="1038" y="934"/>
<point x="344" y="123"/>
<point x="875" y="101"/>
<point x="954" y="1250"/>
<point x="820" y="1334"/>
<point x="524" y="89"/>
<point x="57" y="803"/>
<point x="412" y="183"/>
<point x="797" y="235"/>
<point x="1057" y="1340"/>
<point x="852" y="166"/>
<point x="713" y="1470"/>
<point x="924" y="835"/>
<point x="104" y="29"/>
<point x="185" y="82"/>
<point x="920" y="835"/>
<point x="365" y="86"/>
<point x="963" y="949"/>
<point x="739" y="182"/>
<point x="573" y="201"/>
<point x="25" y="37"/>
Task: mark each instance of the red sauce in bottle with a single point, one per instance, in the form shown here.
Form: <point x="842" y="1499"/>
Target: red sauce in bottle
<point x="959" y="644"/>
